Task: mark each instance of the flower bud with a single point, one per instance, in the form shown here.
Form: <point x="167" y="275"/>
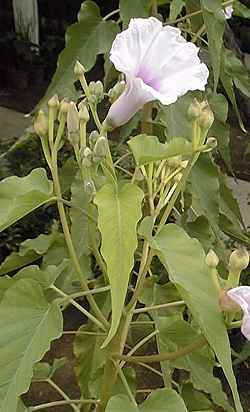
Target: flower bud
<point x="53" y="102"/>
<point x="116" y="91"/>
<point x="194" y="110"/>
<point x="211" y="142"/>
<point x="226" y="303"/>
<point x="99" y="91"/>
<point x="212" y="259"/>
<point x="41" y="124"/>
<point x="101" y="148"/>
<point x="93" y="138"/>
<point x="79" y="69"/>
<point x="87" y="153"/>
<point x="239" y="260"/>
<point x="64" y="107"/>
<point x="72" y="118"/>
<point x="206" y="119"/>
<point x="83" y="113"/>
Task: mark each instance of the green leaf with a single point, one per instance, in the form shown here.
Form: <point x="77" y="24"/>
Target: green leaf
<point x="184" y="260"/>
<point x="29" y="251"/>
<point x="237" y="71"/>
<point x="5" y="283"/>
<point x="21" y="195"/>
<point x="215" y="25"/>
<point x="119" y="209"/>
<point x="84" y="40"/>
<point x="205" y="188"/>
<point x="89" y="356"/>
<point x="176" y="7"/>
<point x="174" y="334"/>
<point x="160" y="400"/>
<point x="21" y="407"/>
<point x="148" y="149"/>
<point x="133" y="8"/>
<point x="45" y="277"/>
<point x="28" y="324"/>
<point x="220" y="129"/>
<point x="43" y="370"/>
<point x="174" y="117"/>
<point x="195" y="400"/>
<point x="241" y="10"/>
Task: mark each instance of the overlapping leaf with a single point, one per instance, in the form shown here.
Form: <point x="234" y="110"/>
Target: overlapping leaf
<point x="21" y="195"/>
<point x="28" y="324"/>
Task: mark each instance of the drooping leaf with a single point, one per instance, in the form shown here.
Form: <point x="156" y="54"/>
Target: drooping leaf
<point x="237" y="71"/>
<point x="21" y="195"/>
<point x="148" y="149"/>
<point x="205" y="188"/>
<point x="84" y="40"/>
<point x="184" y="260"/>
<point x="29" y="251"/>
<point x="119" y="209"/>
<point x="28" y="324"/>
<point x="133" y="8"/>
<point x="160" y="400"/>
<point x="173" y="335"/>
<point x="215" y="25"/>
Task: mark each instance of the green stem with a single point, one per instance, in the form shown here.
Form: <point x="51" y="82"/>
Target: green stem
<point x="141" y="343"/>
<point x="79" y="307"/>
<point x="162" y="306"/>
<point x="111" y="14"/>
<point x="164" y="355"/>
<point x="61" y="403"/>
<point x="62" y="393"/>
<point x="69" y="242"/>
<point x="91" y="105"/>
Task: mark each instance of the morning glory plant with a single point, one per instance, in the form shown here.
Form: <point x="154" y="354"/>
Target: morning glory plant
<point x="137" y="254"/>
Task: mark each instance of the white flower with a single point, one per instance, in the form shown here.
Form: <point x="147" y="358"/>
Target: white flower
<point x="241" y="295"/>
<point x="159" y="64"/>
<point x="228" y="12"/>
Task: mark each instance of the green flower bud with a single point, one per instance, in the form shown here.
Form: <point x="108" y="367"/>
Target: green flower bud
<point x="93" y="138"/>
<point x="64" y="107"/>
<point x="206" y="119"/>
<point x="239" y="260"/>
<point x="53" y="102"/>
<point x="87" y="153"/>
<point x="101" y="148"/>
<point x="211" y="142"/>
<point x="72" y="118"/>
<point x="116" y="91"/>
<point x="99" y="92"/>
<point x="79" y="69"/>
<point x="83" y="113"/>
<point x="194" y="110"/>
<point x="212" y="259"/>
<point x="41" y="124"/>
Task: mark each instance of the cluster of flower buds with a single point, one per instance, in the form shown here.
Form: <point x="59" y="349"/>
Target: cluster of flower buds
<point x="201" y="112"/>
<point x="116" y="91"/>
<point x="96" y="92"/>
<point x="97" y="150"/>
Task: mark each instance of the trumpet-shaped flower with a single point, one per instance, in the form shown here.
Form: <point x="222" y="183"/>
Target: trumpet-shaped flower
<point x="241" y="295"/>
<point x="159" y="64"/>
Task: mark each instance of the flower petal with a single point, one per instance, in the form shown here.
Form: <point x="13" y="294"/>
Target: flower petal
<point x="245" y="328"/>
<point x="130" y="46"/>
<point x="241" y="295"/>
<point x="131" y="100"/>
